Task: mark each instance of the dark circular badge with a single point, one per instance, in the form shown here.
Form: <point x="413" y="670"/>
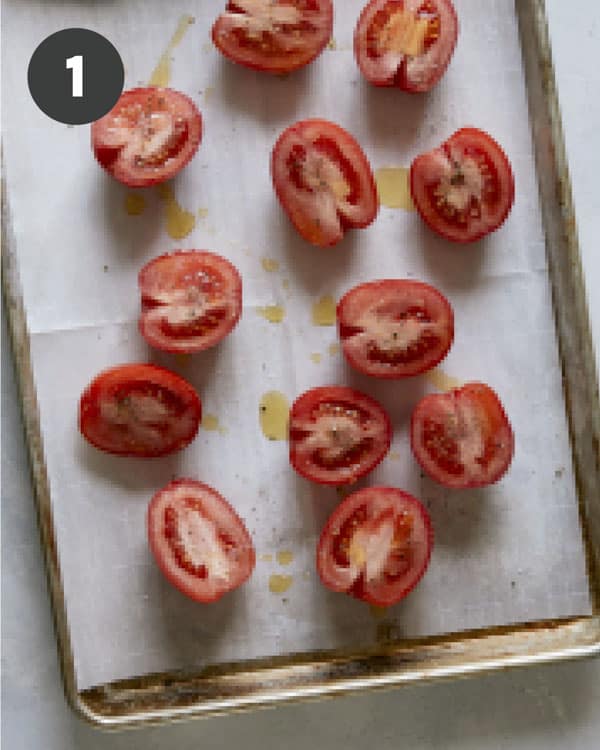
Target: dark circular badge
<point x="75" y="76"/>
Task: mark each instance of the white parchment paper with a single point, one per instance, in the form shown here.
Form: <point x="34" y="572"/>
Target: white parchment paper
<point x="506" y="554"/>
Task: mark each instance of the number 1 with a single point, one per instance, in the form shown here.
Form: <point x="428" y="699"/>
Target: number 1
<point x="76" y="65"/>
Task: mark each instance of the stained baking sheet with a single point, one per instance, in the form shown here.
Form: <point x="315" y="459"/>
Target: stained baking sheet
<point x="511" y="553"/>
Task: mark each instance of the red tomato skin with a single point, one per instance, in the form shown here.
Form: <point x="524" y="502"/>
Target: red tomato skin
<point x="313" y="397"/>
<point x="371" y="199"/>
<point x="443" y="478"/>
<point x="335" y="520"/>
<point x="107" y="156"/>
<point x="436" y="227"/>
<point x="400" y="79"/>
<point x="89" y="406"/>
<point x="148" y="302"/>
<point x="154" y="541"/>
<point x="410" y="370"/>
<point x="269" y="66"/>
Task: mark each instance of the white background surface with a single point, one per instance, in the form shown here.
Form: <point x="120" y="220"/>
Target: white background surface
<point x="491" y="562"/>
<point x="545" y="707"/>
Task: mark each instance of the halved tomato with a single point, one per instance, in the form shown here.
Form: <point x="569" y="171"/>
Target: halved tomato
<point x="323" y="180"/>
<point x="395" y="328"/>
<point x="191" y="299"/>
<point x="462" y="438"/>
<point x="465" y="188"/>
<point x="274" y="35"/>
<point x="337" y="435"/>
<point x="376" y="545"/>
<point x="148" y="136"/>
<point x="199" y="541"/>
<point x="139" y="410"/>
<point x="405" y="43"/>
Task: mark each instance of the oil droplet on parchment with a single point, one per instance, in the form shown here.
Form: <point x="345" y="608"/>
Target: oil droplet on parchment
<point x="135" y="204"/>
<point x="332" y="45"/>
<point x="316" y="358"/>
<point x="378" y="612"/>
<point x="387" y="631"/>
<point x="182" y="358"/>
<point x="393" y="188"/>
<point x="333" y="349"/>
<point x="440" y="380"/>
<point x="161" y="76"/>
<point x="210" y="423"/>
<point x="270" y="264"/>
<point x="202" y="213"/>
<point x="394" y="455"/>
<point x="266" y="558"/>
<point x="323" y="311"/>
<point x="342" y="491"/>
<point x="209" y="93"/>
<point x="274" y="415"/>
<point x="272" y="313"/>
<point x="179" y="221"/>
<point x="279" y="584"/>
<point x="285" y="557"/>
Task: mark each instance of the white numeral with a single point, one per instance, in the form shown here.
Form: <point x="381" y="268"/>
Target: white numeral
<point x="76" y="65"/>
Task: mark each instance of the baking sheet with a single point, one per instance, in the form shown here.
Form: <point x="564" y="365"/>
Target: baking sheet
<point x="507" y="554"/>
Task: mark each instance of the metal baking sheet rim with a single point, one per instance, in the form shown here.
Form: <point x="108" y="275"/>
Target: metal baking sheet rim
<point x="231" y="688"/>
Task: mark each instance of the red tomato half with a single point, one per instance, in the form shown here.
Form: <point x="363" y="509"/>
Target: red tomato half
<point x="191" y="299"/>
<point x="465" y="188"/>
<point x="376" y="545"/>
<point x="323" y="180"/>
<point x="395" y="328"/>
<point x="199" y="541"/>
<point x="273" y="35"/>
<point x="405" y="43"/>
<point x="148" y="136"/>
<point x="337" y="435"/>
<point x="462" y="438"/>
<point x="139" y="410"/>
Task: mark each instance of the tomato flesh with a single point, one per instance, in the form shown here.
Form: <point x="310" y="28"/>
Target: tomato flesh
<point x="323" y="181"/>
<point x="337" y="435"/>
<point x="199" y="542"/>
<point x="463" y="438"/>
<point x="465" y="188"/>
<point x="395" y="328"/>
<point x="139" y="410"/>
<point x="405" y="43"/>
<point x="149" y="135"/>
<point x="191" y="300"/>
<point x="376" y="545"/>
<point x="276" y="36"/>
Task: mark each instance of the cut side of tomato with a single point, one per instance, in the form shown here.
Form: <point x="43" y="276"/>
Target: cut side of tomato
<point x="191" y="300"/>
<point x="276" y="36"/>
<point x="139" y="410"/>
<point x="148" y="136"/>
<point x="465" y="188"/>
<point x="395" y="328"/>
<point x="323" y="181"/>
<point x="462" y="438"/>
<point x="376" y="545"/>
<point x="337" y="435"/>
<point x="200" y="543"/>
<point x="405" y="43"/>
